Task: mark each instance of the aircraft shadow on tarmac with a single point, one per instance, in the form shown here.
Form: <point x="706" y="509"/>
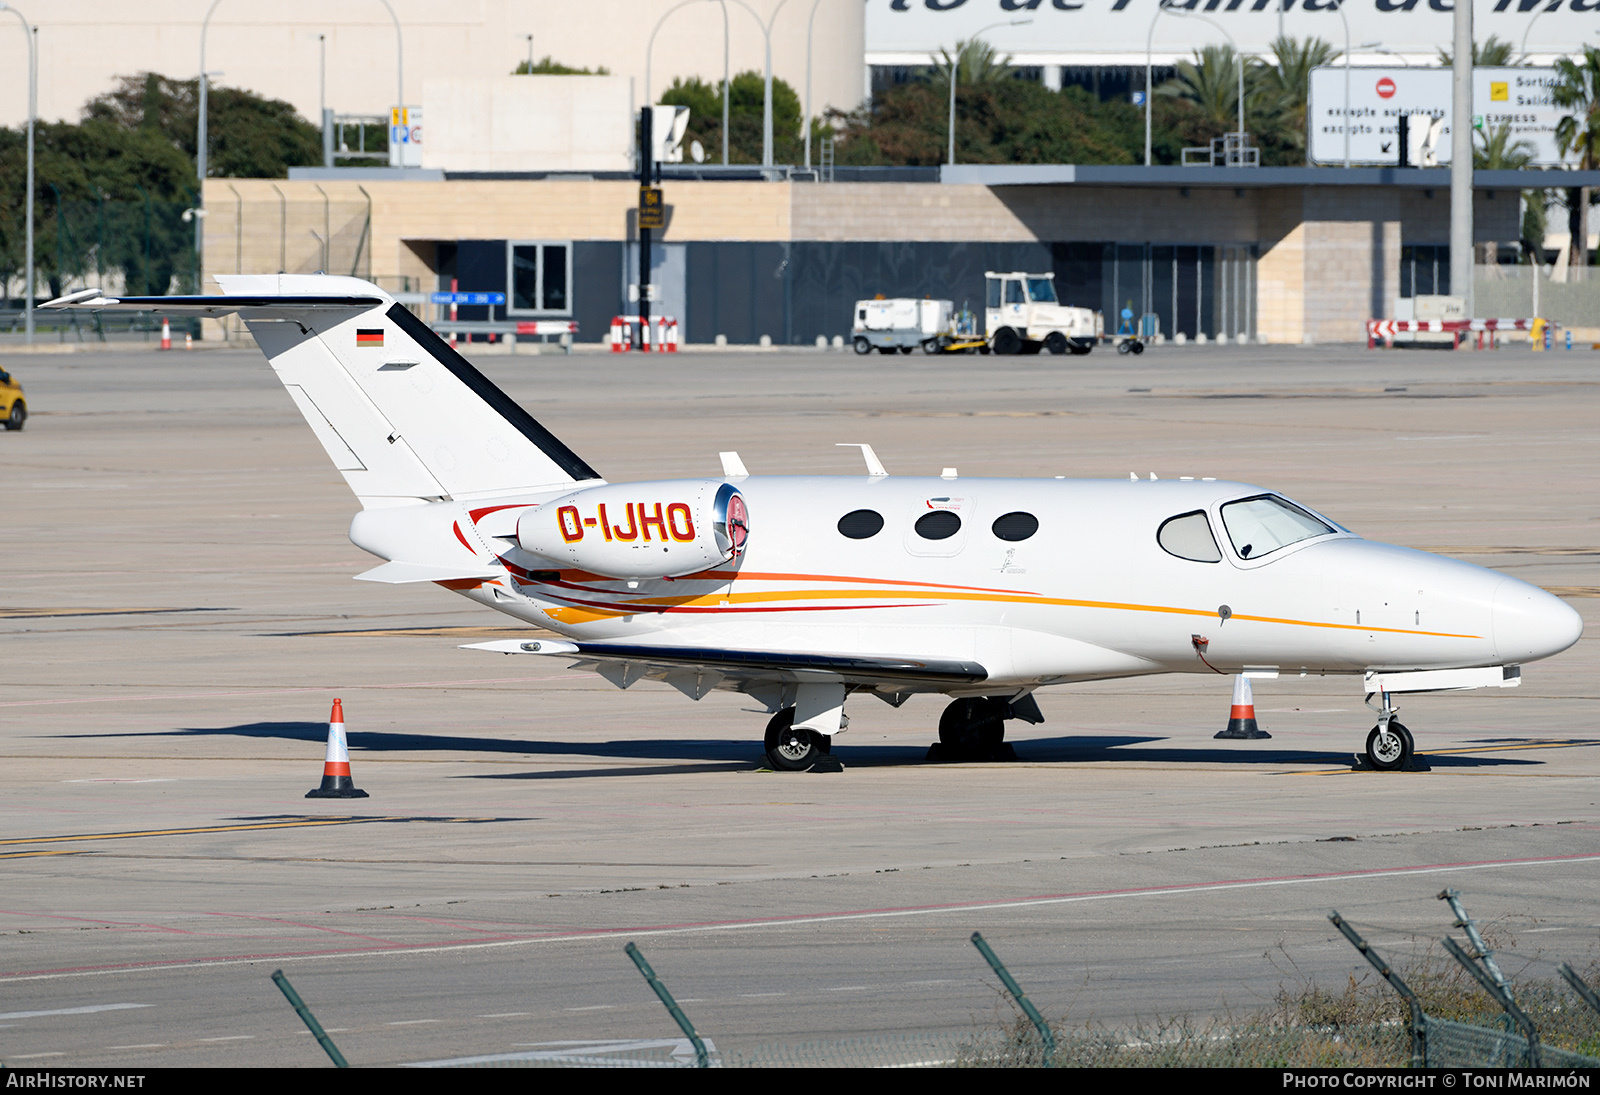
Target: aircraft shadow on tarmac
<point x="715" y="755"/>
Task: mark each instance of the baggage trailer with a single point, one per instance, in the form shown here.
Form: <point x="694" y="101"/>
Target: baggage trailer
<point x="1023" y="316"/>
<point x="902" y="324"/>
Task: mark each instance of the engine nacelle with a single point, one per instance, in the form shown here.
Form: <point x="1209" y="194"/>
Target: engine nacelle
<point x="640" y="530"/>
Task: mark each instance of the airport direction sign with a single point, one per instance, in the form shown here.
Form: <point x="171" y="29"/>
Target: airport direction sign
<point x="468" y="298"/>
<point x="652" y="214"/>
<point x="1518" y="97"/>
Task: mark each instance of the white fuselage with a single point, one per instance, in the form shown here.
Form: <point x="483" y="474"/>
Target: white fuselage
<point x="1090" y="594"/>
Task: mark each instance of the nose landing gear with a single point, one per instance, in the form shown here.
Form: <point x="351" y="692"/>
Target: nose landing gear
<point x="1389" y="745"/>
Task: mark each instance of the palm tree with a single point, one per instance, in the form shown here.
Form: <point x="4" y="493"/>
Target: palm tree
<point x="976" y="63"/>
<point x="1578" y="90"/>
<point x="1491" y="54"/>
<point x="1494" y="150"/>
<point x="1283" y="88"/>
<point x="1211" y="82"/>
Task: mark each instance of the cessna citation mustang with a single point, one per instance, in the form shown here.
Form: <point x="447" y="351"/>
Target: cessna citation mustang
<point x="802" y="591"/>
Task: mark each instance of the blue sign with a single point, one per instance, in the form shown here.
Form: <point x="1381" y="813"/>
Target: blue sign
<point x="1138" y="98"/>
<point x="468" y="298"/>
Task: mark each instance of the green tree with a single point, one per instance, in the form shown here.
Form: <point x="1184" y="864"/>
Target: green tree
<point x="546" y="66"/>
<point x="747" y="92"/>
<point x="251" y="137"/>
<point x="1578" y="91"/>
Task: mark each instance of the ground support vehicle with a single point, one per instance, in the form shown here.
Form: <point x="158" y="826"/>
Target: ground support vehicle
<point x="1023" y="316"/>
<point x="13" y="407"/>
<point x="902" y="324"/>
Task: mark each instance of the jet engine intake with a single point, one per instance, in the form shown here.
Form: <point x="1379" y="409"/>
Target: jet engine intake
<point x="665" y="529"/>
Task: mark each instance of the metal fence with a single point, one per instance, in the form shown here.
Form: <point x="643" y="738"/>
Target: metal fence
<point x="1358" y="1030"/>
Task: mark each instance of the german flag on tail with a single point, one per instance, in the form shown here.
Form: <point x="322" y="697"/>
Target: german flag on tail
<point x="369" y="337"/>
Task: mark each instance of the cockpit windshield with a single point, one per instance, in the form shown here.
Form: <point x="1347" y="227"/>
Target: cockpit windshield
<point x="1261" y="525"/>
<point x="1042" y="290"/>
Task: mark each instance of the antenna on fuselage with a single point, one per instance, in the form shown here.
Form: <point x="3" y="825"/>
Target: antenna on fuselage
<point x="874" y="465"/>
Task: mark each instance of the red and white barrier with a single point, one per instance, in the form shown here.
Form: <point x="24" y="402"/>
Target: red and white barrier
<point x="665" y="340"/>
<point x="548" y="327"/>
<point x="1386" y="329"/>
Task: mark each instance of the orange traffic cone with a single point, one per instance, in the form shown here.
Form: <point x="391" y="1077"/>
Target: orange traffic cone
<point x="336" y="769"/>
<point x="166" y="333"/>
<point x="1242" y="719"/>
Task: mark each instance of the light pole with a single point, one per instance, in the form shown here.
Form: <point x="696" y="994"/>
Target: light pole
<point x="33" y="110"/>
<point x="399" y="58"/>
<point x="650" y="46"/>
<point x="806" y="127"/>
<point x="201" y="142"/>
<point x="727" y="89"/>
<point x="530" y="55"/>
<point x="1461" y="158"/>
<point x="955" y="64"/>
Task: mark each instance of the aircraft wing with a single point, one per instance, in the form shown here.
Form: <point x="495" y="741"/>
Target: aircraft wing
<point x="736" y="666"/>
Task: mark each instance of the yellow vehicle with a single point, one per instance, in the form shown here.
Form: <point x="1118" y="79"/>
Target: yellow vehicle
<point x="13" y="408"/>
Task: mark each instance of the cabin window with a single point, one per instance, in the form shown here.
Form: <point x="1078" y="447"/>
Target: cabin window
<point x="941" y="524"/>
<point x="1014" y="291"/>
<point x="1259" y="526"/>
<point x="1042" y="290"/>
<point x="1015" y="526"/>
<point x="861" y="524"/>
<point x="1188" y="536"/>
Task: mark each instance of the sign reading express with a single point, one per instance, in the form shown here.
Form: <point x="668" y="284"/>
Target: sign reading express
<point x="1518" y="98"/>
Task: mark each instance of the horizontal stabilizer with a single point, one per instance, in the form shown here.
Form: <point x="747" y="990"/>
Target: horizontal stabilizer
<point x="401" y="573"/>
<point x="205" y="305"/>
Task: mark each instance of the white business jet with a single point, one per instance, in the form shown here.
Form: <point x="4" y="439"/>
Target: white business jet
<point x="803" y="591"/>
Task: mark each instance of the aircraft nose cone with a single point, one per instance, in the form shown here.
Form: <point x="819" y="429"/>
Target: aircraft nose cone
<point x="1530" y="624"/>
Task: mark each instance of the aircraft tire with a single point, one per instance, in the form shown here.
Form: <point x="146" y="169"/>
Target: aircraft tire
<point x="863" y="346"/>
<point x="1392" y="753"/>
<point x="973" y="726"/>
<point x="788" y="749"/>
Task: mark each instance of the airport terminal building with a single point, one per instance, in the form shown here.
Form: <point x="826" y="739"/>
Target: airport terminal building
<point x="1279" y="254"/>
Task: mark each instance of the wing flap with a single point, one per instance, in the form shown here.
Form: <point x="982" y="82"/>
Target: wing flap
<point x="784" y="665"/>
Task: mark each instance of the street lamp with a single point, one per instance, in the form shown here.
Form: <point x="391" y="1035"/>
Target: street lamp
<point x="1164" y="7"/>
<point x="955" y="63"/>
<point x="33" y="110"/>
<point x="649" y="53"/>
<point x="806" y="128"/>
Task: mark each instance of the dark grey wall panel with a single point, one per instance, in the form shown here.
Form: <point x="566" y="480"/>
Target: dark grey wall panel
<point x="596" y="287"/>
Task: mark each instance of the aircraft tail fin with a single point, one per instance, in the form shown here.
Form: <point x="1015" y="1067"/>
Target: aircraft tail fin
<point x="400" y="413"/>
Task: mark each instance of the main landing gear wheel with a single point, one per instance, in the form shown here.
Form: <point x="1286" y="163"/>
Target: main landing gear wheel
<point x="975" y="729"/>
<point x="1389" y="750"/>
<point x="790" y="749"/>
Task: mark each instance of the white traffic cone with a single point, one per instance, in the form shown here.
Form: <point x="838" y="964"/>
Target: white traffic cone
<point x="1242" y="719"/>
<point x="336" y="781"/>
